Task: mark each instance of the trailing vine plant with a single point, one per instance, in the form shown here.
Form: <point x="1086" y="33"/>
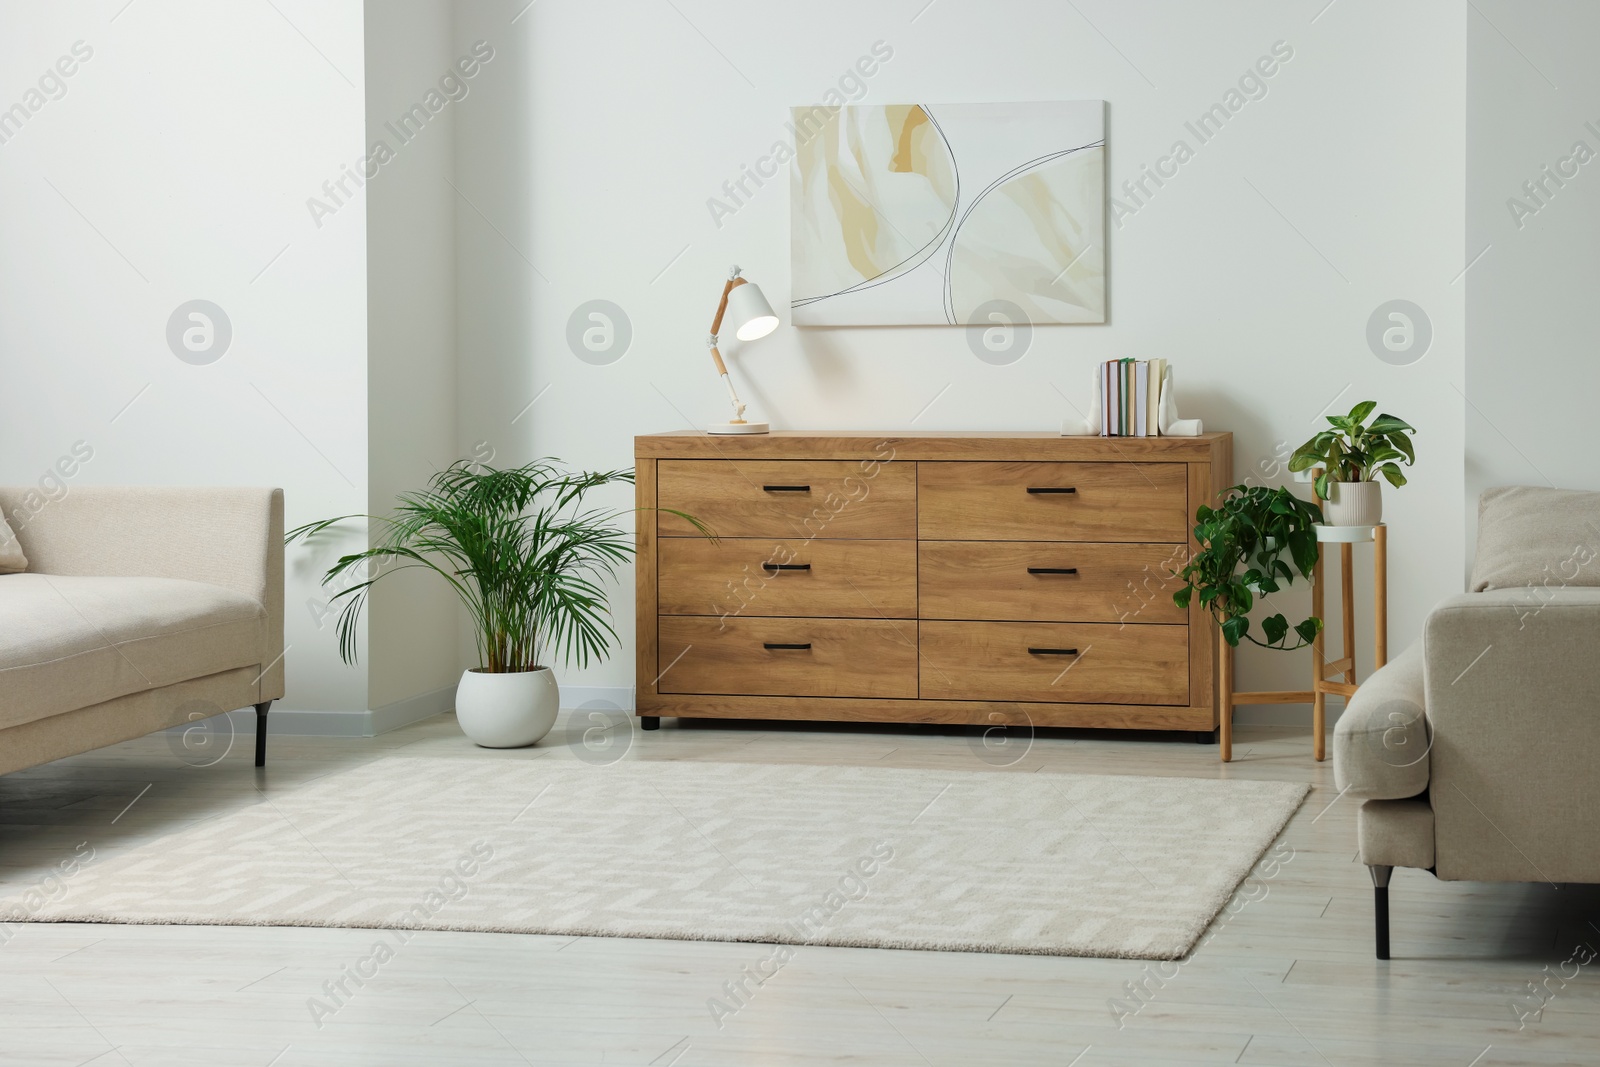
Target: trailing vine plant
<point x="1243" y="544"/>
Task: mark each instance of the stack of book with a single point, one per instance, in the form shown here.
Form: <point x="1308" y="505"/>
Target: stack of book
<point x="1130" y="397"/>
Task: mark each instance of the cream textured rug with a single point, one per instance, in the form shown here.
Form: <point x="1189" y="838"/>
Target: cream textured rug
<point x="977" y="861"/>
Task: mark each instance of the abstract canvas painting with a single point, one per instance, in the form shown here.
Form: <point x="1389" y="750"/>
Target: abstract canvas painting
<point x="912" y="214"/>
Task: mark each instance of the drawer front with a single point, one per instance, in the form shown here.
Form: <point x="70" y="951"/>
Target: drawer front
<point x="753" y="576"/>
<point x="788" y="498"/>
<point x="1050" y="581"/>
<point x="1088" y="663"/>
<point x="1053" y="502"/>
<point x="823" y="657"/>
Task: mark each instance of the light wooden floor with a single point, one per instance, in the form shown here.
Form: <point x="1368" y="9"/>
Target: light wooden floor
<point x="1287" y="977"/>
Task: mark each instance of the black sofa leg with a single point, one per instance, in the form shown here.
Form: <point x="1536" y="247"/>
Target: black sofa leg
<point x="261" y="733"/>
<point x="649" y="722"/>
<point x="1380" y="906"/>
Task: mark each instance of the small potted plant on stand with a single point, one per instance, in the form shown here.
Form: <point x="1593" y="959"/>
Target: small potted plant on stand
<point x="1350" y="457"/>
<point x="527" y="562"/>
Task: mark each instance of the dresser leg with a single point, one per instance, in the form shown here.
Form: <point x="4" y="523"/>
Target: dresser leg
<point x="649" y="722"/>
<point x="1205" y="737"/>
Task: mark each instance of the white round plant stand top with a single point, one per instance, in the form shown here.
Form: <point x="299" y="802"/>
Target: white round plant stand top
<point x="1346" y="534"/>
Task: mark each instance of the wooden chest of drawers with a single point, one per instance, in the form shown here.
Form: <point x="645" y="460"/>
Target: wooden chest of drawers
<point x="925" y="577"/>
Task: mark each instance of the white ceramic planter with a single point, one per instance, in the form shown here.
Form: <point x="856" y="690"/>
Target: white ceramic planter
<point x="507" y="710"/>
<point x="1353" y="504"/>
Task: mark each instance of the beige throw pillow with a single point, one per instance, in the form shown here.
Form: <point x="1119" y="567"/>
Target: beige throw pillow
<point x="12" y="561"/>
<point x="1529" y="535"/>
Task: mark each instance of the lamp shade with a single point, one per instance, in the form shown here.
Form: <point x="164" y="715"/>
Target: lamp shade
<point x="750" y="313"/>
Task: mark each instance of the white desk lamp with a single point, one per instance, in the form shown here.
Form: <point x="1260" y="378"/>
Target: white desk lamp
<point x="752" y="318"/>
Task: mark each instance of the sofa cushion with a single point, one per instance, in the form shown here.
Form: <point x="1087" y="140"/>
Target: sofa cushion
<point x="1530" y="535"/>
<point x="11" y="558"/>
<point x="1396" y="833"/>
<point x="68" y="642"/>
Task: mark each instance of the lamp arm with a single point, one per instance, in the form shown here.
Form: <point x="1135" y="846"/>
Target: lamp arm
<point x="722" y="306"/>
<point x="716" y="356"/>
<point x="722" y="369"/>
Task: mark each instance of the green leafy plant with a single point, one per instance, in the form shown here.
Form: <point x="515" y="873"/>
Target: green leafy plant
<point x="1243" y="542"/>
<point x="518" y="547"/>
<point x="1352" y="452"/>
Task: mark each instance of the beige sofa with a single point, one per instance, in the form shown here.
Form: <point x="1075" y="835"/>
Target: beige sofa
<point x="1474" y="751"/>
<point x="140" y="609"/>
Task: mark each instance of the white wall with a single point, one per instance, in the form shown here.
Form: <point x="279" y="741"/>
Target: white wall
<point x="411" y="219"/>
<point x="495" y="278"/>
<point x="175" y="167"/>
<point x="601" y="131"/>
<point x="584" y="157"/>
<point x="1531" y="375"/>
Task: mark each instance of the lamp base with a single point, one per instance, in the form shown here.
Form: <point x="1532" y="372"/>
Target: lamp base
<point x="739" y="427"/>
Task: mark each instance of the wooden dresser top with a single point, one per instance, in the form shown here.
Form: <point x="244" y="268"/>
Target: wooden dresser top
<point x="1001" y="445"/>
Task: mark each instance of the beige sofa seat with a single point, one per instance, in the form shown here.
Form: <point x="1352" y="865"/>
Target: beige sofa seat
<point x="71" y="641"/>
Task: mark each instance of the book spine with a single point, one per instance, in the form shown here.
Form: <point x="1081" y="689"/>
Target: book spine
<point x="1105" y="412"/>
<point x="1128" y="427"/>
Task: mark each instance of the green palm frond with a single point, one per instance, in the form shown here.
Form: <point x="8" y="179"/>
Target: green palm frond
<point x="526" y="558"/>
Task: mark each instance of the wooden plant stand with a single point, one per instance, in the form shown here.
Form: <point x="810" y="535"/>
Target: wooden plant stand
<point x="1339" y="676"/>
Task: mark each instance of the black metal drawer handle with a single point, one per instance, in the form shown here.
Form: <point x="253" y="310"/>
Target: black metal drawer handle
<point x="786" y="488"/>
<point x="786" y="566"/>
<point x="1052" y="489"/>
<point x="773" y="645"/>
<point x="1052" y="570"/>
<point x="1052" y="652"/>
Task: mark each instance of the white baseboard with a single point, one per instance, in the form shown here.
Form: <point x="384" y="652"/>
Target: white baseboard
<point x="573" y="696"/>
<point x="312" y="723"/>
<point x="1282" y="715"/>
<point x="308" y="722"/>
<point x="608" y="696"/>
<point x="303" y="722"/>
<point x="415" y="709"/>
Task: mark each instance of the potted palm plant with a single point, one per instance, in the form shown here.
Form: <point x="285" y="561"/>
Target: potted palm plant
<point x="527" y="561"/>
<point x="1351" y="456"/>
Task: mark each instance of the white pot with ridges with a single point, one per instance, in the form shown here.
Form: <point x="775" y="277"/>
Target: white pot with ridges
<point x="1354" y="504"/>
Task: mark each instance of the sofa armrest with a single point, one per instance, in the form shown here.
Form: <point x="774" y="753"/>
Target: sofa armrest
<point x="229" y="537"/>
<point x="1380" y="746"/>
<point x="1513" y="698"/>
